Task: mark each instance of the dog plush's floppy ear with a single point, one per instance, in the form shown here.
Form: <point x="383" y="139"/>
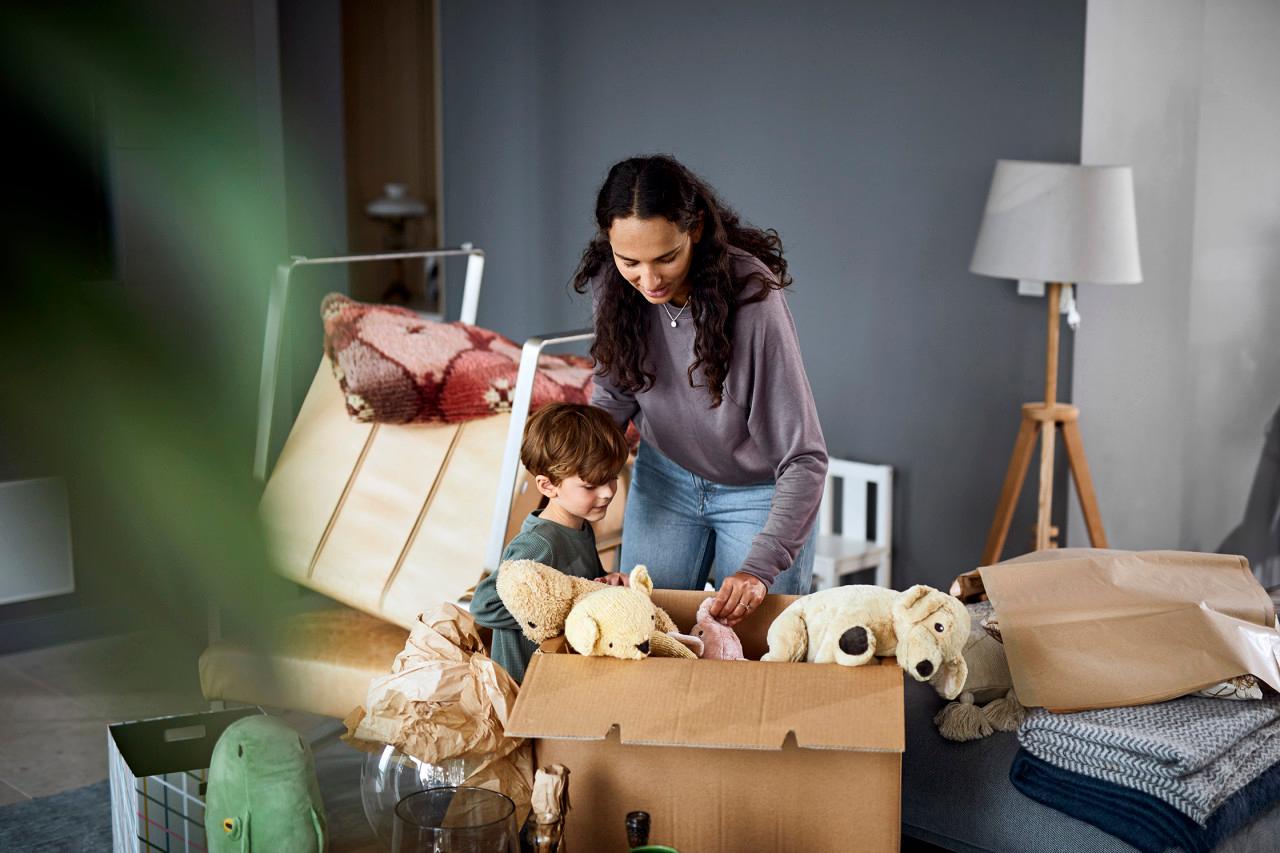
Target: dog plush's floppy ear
<point x="951" y="677"/>
<point x="582" y="632"/>
<point x="915" y="604"/>
<point x="640" y="580"/>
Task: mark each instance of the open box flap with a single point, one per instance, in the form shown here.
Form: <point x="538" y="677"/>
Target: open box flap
<point x="723" y="704"/>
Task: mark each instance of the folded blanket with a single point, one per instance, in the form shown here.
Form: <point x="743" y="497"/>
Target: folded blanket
<point x="1146" y="822"/>
<point x="1193" y="753"/>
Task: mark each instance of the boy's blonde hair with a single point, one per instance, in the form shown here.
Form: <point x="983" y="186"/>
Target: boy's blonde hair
<point x="564" y="440"/>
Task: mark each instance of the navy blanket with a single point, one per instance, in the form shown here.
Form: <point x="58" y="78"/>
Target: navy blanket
<point x="1148" y="823"/>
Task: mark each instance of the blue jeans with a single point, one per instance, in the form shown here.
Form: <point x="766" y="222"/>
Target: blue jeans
<point x="685" y="528"/>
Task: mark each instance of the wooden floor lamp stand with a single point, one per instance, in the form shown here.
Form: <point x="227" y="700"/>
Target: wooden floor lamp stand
<point x="1044" y="419"/>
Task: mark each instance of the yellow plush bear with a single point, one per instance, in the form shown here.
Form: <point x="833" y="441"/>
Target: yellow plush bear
<point x="540" y="597"/>
<point x="923" y="628"/>
<point x="621" y="622"/>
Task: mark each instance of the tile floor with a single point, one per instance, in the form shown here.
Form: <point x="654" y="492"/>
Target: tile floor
<point x="58" y="701"/>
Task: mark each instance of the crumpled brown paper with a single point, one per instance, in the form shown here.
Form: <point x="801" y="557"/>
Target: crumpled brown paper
<point x="446" y="699"/>
<point x="1094" y="628"/>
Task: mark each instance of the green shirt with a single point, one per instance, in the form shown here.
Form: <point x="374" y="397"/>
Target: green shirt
<point x="570" y="551"/>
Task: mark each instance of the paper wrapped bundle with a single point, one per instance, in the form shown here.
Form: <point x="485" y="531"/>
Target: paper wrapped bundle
<point x="445" y="699"/>
<point x="1090" y="628"/>
<point x="550" y="806"/>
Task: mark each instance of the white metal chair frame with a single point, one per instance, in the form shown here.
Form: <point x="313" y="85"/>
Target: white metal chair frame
<point x="274" y="339"/>
<point x="529" y="356"/>
<point x="275" y="323"/>
<point x="839" y="554"/>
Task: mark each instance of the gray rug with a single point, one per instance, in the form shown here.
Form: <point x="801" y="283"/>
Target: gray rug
<point x="71" y="821"/>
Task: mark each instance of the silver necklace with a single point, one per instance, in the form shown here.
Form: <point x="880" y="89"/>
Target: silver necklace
<point x="678" y="314"/>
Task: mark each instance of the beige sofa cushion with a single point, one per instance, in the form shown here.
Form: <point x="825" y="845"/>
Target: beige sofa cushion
<point x="321" y="662"/>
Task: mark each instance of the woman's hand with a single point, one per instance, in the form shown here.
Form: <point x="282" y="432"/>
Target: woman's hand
<point x="739" y="595"/>
<point x="614" y="579"/>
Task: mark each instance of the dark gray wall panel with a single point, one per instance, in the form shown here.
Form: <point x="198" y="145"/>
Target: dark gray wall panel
<point x="865" y="132"/>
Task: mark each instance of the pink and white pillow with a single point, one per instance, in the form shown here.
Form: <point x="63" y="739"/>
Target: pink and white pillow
<point x="395" y="367"/>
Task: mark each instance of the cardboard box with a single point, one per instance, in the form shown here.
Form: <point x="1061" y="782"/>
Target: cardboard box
<point x="727" y="756"/>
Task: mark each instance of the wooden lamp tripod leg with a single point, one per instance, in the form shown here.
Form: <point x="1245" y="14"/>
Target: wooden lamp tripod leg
<point x="1045" y="418"/>
<point x="1023" y="447"/>
<point x="1044" y="510"/>
<point x="1084" y="483"/>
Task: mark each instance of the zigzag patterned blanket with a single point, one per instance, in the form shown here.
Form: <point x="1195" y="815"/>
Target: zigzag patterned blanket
<point x="1147" y="823"/>
<point x="1192" y="753"/>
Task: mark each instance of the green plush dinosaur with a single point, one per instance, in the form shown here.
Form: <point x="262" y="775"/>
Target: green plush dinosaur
<point x="262" y="793"/>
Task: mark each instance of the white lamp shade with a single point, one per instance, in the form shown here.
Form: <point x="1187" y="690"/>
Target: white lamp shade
<point x="1059" y="222"/>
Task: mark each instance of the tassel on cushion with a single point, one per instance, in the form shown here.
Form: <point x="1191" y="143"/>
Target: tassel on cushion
<point x="1006" y="713"/>
<point x="962" y="720"/>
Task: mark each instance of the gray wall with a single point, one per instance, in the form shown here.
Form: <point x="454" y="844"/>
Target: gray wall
<point x="864" y="132"/>
<point x="1178" y="375"/>
<point x="1141" y="107"/>
<point x="315" y="168"/>
<point x="1235" y="269"/>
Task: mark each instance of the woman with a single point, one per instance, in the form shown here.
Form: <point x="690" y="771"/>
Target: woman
<point x="695" y="345"/>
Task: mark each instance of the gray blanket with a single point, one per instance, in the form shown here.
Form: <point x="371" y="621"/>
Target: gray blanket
<point x="1192" y="752"/>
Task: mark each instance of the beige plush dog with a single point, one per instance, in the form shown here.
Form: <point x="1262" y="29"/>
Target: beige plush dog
<point x="540" y="597"/>
<point x="621" y="622"/>
<point x="923" y="628"/>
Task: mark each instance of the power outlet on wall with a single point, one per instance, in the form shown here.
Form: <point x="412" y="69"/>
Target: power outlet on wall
<point x="1031" y="288"/>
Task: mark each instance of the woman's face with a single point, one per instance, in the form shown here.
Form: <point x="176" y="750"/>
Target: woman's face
<point x="654" y="256"/>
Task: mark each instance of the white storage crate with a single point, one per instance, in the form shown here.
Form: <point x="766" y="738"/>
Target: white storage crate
<point x="158" y="769"/>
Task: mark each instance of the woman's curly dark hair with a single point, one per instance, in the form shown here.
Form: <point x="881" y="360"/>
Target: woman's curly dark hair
<point x="659" y="185"/>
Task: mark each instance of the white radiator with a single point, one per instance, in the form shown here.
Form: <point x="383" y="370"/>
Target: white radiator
<point x="35" y="540"/>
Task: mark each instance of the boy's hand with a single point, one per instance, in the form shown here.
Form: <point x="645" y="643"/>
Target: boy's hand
<point x="739" y="595"/>
<point x="614" y="579"/>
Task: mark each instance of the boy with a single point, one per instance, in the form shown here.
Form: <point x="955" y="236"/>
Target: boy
<point x="574" y="453"/>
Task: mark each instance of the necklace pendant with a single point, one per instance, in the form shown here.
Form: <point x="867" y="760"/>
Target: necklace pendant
<point x="673" y="324"/>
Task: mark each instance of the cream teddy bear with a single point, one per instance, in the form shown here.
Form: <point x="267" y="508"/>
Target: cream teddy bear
<point x="621" y="622"/>
<point x="540" y="598"/>
<point x="923" y="628"/>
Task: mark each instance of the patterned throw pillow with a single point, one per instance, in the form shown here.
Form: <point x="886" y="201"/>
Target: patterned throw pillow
<point x="397" y="368"/>
<point x="1240" y="687"/>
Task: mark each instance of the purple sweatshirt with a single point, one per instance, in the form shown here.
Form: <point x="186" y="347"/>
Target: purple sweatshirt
<point x="765" y="429"/>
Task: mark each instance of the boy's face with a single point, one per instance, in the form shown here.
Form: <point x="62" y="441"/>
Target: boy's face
<point x="578" y="498"/>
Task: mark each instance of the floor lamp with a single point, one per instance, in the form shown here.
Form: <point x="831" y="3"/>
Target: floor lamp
<point x="1057" y="223"/>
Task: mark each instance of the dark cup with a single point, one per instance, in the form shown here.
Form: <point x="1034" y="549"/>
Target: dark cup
<point x="637" y="829"/>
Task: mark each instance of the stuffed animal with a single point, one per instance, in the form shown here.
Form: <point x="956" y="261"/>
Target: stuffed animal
<point x="988" y="703"/>
<point x="923" y="628"/>
<point x="719" y="641"/>
<point x="262" y="792"/>
<point x="540" y="598"/>
<point x="621" y="622"/>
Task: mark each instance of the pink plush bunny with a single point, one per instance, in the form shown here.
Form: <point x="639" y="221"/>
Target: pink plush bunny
<point x="719" y="642"/>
